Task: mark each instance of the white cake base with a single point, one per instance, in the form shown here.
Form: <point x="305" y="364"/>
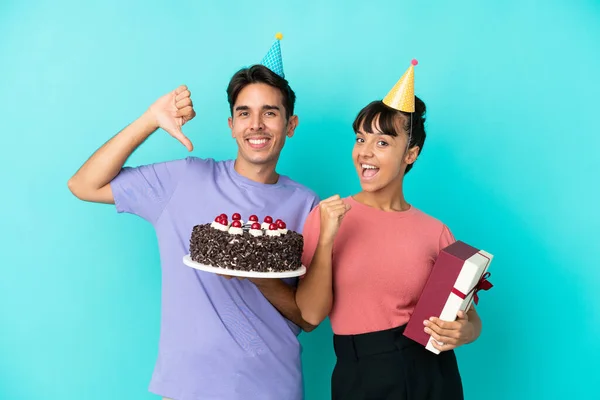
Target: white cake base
<point x="245" y="274"/>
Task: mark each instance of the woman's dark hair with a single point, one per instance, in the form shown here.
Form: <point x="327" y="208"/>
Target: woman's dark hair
<point x="389" y="119"/>
<point x="260" y="74"/>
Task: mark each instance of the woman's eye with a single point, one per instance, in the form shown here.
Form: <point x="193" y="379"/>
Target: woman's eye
<point x="382" y="143"/>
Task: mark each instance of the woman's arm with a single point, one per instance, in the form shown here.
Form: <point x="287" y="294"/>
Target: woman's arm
<point x="449" y="335"/>
<point x="314" y="296"/>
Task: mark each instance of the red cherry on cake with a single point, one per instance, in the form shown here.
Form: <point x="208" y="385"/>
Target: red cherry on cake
<point x="236" y="223"/>
<point x="253" y="218"/>
<point x="277" y="221"/>
<point x="272" y="227"/>
<point x="236" y="217"/>
<point x="268" y="220"/>
<point x="281" y="224"/>
<point x="224" y="216"/>
<point x="218" y="219"/>
<point x="255" y="225"/>
<point x="223" y="221"/>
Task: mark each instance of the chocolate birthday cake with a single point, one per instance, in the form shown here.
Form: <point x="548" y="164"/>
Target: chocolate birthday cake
<point x="247" y="246"/>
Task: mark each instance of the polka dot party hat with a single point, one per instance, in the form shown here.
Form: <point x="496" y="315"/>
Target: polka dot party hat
<point x="402" y="95"/>
<point x="272" y="59"/>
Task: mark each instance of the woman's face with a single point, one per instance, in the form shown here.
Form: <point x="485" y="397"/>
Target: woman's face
<point x="380" y="160"/>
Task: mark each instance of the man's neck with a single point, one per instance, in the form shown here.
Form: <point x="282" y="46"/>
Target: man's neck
<point x="258" y="173"/>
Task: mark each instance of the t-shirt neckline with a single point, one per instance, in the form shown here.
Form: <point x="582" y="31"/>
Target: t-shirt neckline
<point x="236" y="176"/>
<point x="365" y="209"/>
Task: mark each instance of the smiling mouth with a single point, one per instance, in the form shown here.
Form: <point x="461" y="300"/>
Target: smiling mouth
<point x="258" y="143"/>
<point x="368" y="171"/>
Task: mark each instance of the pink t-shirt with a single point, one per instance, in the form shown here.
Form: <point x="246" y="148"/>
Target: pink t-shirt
<point x="381" y="262"/>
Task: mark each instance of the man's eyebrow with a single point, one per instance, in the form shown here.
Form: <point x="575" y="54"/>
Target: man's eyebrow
<point x="270" y="107"/>
<point x="265" y="107"/>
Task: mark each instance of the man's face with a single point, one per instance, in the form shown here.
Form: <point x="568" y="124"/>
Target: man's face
<point x="259" y="125"/>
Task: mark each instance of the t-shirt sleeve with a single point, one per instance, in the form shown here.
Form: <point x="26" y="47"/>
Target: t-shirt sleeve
<point x="310" y="232"/>
<point x="315" y="202"/>
<point x="146" y="190"/>
<point x="446" y="238"/>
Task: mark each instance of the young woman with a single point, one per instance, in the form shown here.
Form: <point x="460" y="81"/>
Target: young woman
<point x="367" y="272"/>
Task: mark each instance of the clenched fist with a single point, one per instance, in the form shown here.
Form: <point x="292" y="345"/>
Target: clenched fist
<point x="332" y="211"/>
<point x="172" y="111"/>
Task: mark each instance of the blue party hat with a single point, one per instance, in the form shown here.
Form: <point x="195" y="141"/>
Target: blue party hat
<point x="272" y="59"/>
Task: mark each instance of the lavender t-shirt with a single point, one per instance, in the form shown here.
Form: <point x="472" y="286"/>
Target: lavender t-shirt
<point x="220" y="339"/>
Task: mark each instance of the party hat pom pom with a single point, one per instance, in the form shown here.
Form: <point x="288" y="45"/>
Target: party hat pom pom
<point x="414" y="62"/>
<point x="279" y="36"/>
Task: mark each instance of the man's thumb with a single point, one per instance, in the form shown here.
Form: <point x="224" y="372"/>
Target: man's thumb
<point x="178" y="134"/>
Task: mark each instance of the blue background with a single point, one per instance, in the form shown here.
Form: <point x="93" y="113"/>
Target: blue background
<point x="510" y="164"/>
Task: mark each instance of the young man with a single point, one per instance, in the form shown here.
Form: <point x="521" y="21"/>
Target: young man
<point x="220" y="338"/>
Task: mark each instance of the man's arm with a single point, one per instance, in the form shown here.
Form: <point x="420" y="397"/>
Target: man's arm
<point x="92" y="181"/>
<point x="283" y="298"/>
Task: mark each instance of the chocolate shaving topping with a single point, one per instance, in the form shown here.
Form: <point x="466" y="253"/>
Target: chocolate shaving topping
<point x="245" y="252"/>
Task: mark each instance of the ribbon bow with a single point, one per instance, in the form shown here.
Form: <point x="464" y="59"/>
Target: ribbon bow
<point x="483" y="284"/>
